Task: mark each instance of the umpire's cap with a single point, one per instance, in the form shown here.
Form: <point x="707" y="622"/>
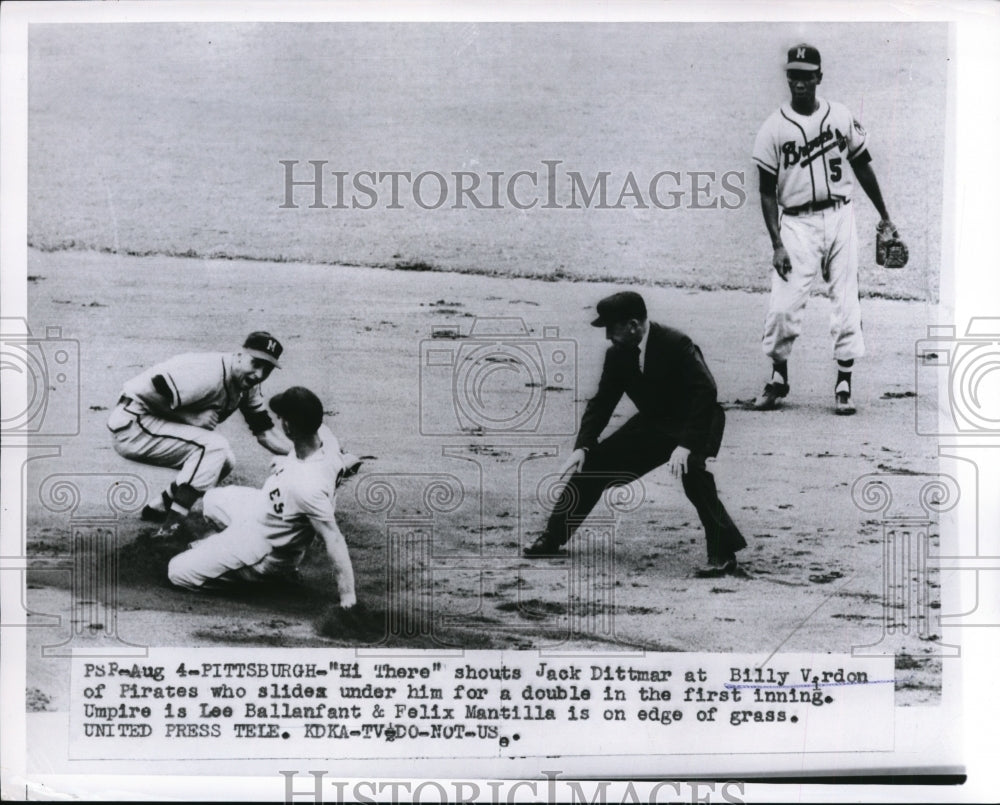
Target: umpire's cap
<point x="300" y="408"/>
<point x="619" y="307"/>
<point x="265" y="346"/>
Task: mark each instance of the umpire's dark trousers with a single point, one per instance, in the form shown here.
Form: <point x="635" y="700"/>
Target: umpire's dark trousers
<point x="629" y="453"/>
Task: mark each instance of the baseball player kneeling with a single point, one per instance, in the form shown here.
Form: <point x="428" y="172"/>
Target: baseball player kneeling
<point x="266" y="532"/>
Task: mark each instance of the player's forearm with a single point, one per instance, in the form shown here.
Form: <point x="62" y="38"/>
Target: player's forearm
<point x="869" y="183"/>
<point x="769" y="207"/>
<point x="274" y="441"/>
<point x="343" y="570"/>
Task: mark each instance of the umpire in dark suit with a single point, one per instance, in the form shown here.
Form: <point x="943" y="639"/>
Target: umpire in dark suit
<point x="679" y="424"/>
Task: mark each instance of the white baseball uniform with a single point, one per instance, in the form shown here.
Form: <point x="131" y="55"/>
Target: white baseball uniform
<point x="166" y="416"/>
<point x="267" y="531"/>
<point x="810" y="155"/>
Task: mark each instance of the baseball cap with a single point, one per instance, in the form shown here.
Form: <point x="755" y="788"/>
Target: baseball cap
<point x="803" y="57"/>
<point x="265" y="346"/>
<point x="300" y="407"/>
<point x="619" y="307"/>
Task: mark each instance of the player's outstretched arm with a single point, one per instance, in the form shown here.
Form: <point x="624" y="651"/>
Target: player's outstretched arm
<point x="275" y="441"/>
<point x="336" y="548"/>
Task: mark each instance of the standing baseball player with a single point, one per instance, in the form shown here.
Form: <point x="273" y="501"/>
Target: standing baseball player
<point x="809" y="154"/>
<point x="168" y="414"/>
<point x="266" y="532"/>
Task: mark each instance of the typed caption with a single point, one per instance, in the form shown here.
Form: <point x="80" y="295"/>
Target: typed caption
<point x="215" y="703"/>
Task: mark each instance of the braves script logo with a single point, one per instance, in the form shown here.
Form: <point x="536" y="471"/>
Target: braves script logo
<point x="826" y="140"/>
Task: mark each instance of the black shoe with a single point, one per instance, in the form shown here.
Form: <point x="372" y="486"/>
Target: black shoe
<point x="716" y="569"/>
<point x="152" y="514"/>
<point x="542" y="547"/>
<point x="768" y="400"/>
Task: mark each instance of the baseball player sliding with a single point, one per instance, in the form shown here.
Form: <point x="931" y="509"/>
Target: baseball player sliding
<point x="265" y="532"/>
<point x="809" y="154"/>
<point x="168" y="414"/>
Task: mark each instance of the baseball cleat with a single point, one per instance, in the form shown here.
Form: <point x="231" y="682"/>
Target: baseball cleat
<point x="151" y="514"/>
<point x="716" y="570"/>
<point x="154" y="514"/>
<point x="768" y="400"/>
<point x="543" y="547"/>
<point x="843" y="405"/>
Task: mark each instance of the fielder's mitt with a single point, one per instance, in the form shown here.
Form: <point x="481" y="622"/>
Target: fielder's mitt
<point x="890" y="251"/>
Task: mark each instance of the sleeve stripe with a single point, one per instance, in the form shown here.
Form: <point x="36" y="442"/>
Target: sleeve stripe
<point x="177" y="394"/>
<point x="765" y="166"/>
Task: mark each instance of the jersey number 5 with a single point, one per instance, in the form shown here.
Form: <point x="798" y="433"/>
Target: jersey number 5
<point x="835" y="169"/>
<point x="275" y="496"/>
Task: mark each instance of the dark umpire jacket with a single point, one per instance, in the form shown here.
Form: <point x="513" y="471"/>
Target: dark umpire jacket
<point x="674" y="392"/>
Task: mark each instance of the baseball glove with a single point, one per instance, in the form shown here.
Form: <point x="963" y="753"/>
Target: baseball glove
<point x="890" y="251"/>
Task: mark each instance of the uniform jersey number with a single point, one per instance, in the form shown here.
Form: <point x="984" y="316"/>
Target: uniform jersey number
<point x="275" y="496"/>
<point x="835" y="169"/>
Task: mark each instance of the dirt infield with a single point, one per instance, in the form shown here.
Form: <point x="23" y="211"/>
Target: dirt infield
<point x="814" y="558"/>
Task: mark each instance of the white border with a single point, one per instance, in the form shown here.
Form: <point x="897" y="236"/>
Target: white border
<point x="971" y="250"/>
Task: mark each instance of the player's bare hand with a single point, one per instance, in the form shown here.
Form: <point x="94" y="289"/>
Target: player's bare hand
<point x="678" y="462"/>
<point x="888" y="229"/>
<point x="782" y="263"/>
<point x="575" y="462"/>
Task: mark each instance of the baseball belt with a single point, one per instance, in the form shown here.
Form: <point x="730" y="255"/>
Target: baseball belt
<point x="817" y="206"/>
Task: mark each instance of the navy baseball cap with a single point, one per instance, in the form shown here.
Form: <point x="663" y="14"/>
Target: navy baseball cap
<point x="619" y="307"/>
<point x="300" y="407"/>
<point x="803" y="57"/>
<point x="265" y="346"/>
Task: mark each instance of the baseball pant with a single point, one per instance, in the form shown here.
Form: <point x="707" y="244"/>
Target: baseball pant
<point x="202" y="457"/>
<point x="827" y="238"/>
<point x="629" y="453"/>
<point x="240" y="552"/>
